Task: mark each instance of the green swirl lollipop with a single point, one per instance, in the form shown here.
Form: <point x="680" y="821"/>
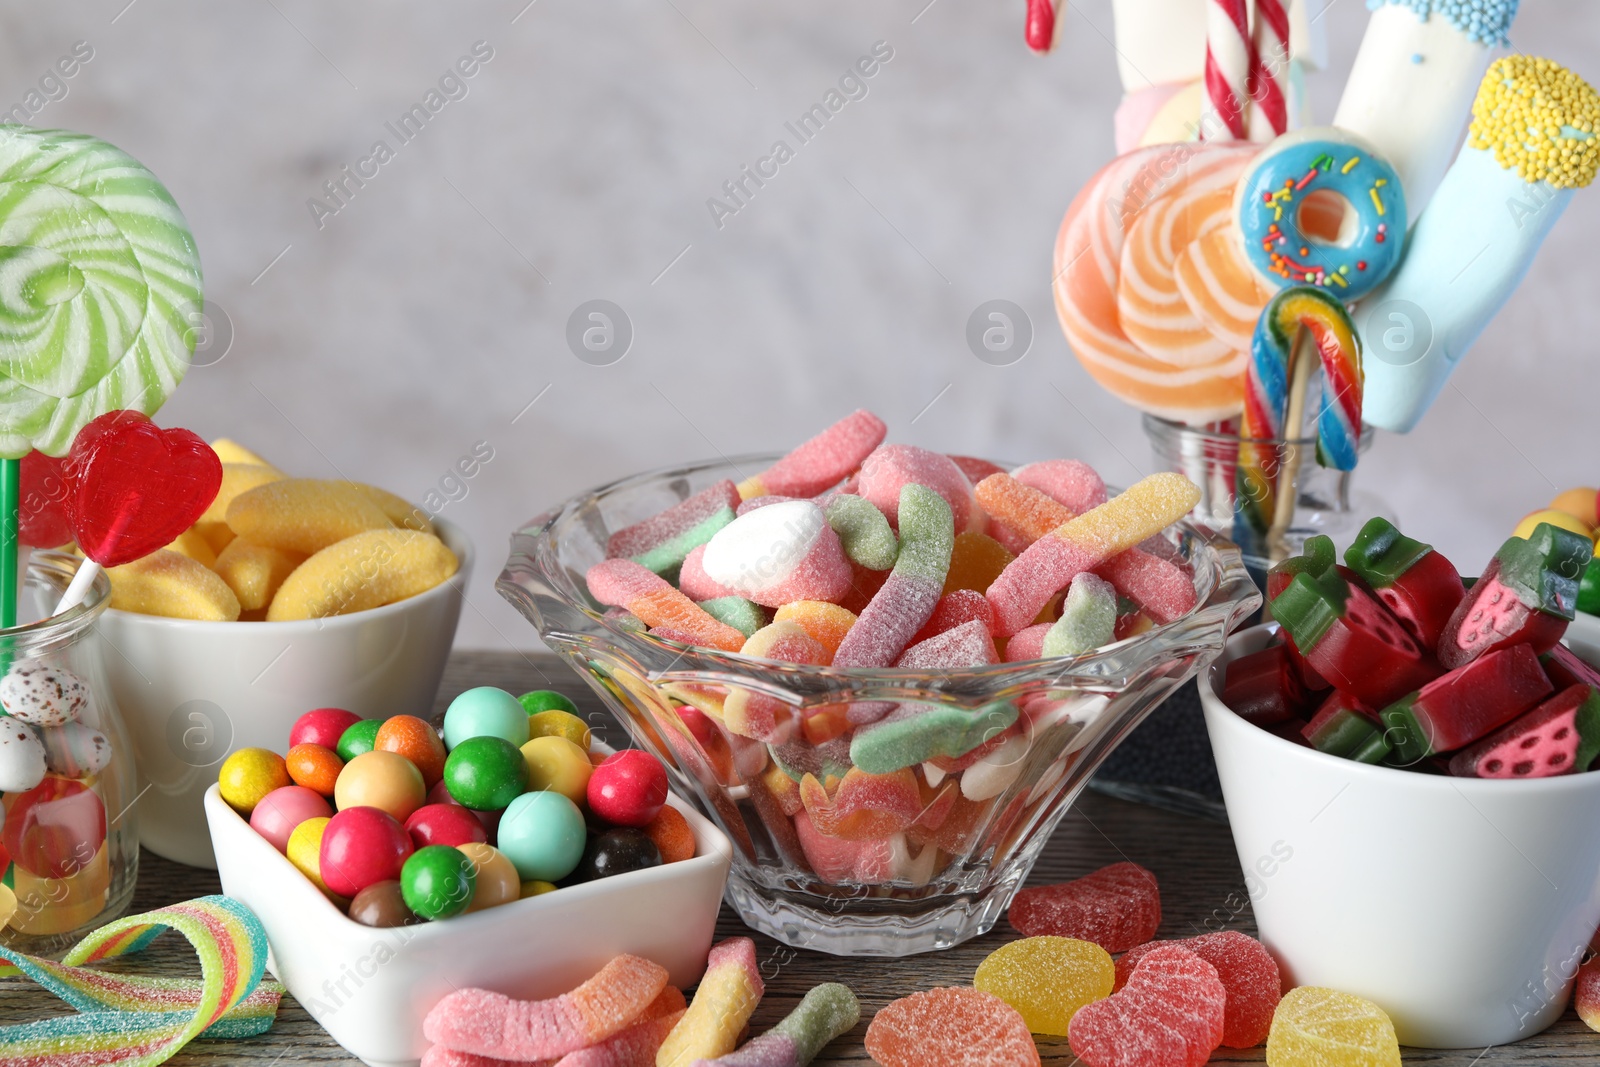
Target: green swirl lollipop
<point x="99" y="276"/>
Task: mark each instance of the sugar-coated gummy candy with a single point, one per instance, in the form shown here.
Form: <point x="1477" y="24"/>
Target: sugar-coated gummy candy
<point x="757" y="715"/>
<point x="661" y="542"/>
<point x="863" y="806"/>
<point x="497" y="882"/>
<point x="821" y="462"/>
<point x="1586" y="993"/>
<point x="43" y="694"/>
<point x="628" y="789"/>
<point x="826" y="1012"/>
<point x="839" y="861"/>
<point x="1315" y="1027"/>
<point x="906" y="600"/>
<point x="1027" y="643"/>
<point x="1069" y="482"/>
<point x="359" y="737"/>
<point x="826" y="623"/>
<point x="976" y="560"/>
<point x="1155" y="577"/>
<point x="304" y="515"/>
<point x="952" y="1027"/>
<point x="1116" y="907"/>
<point x="959" y="648"/>
<point x="543" y="835"/>
<point x="955" y="608"/>
<point x="695" y="583"/>
<point x="743" y="615"/>
<point x="1030" y="513"/>
<point x="281" y="810"/>
<point x="417" y="741"/>
<point x="634" y="1047"/>
<point x="361" y="846"/>
<point x="1170" y="1014"/>
<point x="172" y="585"/>
<point x="491" y="1024"/>
<point x="382" y="905"/>
<point x="623" y="583"/>
<point x="779" y="553"/>
<point x="863" y="530"/>
<point x="1248" y="972"/>
<point x="1088" y="618"/>
<point x="893" y="467"/>
<point x="237" y="477"/>
<point x="1047" y="979"/>
<point x="916" y="733"/>
<point x="727" y="996"/>
<point x="22" y="761"/>
<point x="438" y="881"/>
<point x="365" y="571"/>
<point x="672" y="835"/>
<point x="246" y="776"/>
<point x="254" y="572"/>
<point x="74" y="749"/>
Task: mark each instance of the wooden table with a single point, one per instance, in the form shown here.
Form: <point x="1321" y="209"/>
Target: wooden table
<point x="1202" y="890"/>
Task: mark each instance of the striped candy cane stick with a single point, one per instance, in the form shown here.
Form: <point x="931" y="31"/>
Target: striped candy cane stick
<point x="1269" y="78"/>
<point x="1229" y="61"/>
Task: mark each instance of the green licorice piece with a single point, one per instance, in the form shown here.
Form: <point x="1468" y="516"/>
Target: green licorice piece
<point x="1404" y="733"/>
<point x="1351" y="735"/>
<point x="1316" y="558"/>
<point x="1544" y="570"/>
<point x="1589" y="588"/>
<point x="863" y="530"/>
<point x="914" y="733"/>
<point x="1088" y="618"/>
<point x="1381" y="553"/>
<point x="1308" y="607"/>
<point x="669" y="555"/>
<point x="927" y="536"/>
<point x="743" y="615"/>
<point x="1588" y="723"/>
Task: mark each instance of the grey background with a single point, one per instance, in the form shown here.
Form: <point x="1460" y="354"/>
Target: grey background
<point x="432" y="309"/>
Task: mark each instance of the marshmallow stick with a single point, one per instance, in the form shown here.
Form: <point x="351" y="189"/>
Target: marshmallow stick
<point x="1473" y="245"/>
<point x="1413" y="81"/>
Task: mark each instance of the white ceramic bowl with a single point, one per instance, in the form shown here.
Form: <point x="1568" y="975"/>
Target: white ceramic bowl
<point x="1460" y="906"/>
<point x="371" y="988"/>
<point x="192" y="692"/>
<point x="1583" y="636"/>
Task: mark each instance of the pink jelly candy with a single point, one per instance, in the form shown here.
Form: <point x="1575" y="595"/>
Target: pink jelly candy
<point x="968" y="645"/>
<point x="976" y="469"/>
<point x="907" y="598"/>
<point x="1116" y="907"/>
<point x="661" y="541"/>
<point x="1069" y="482"/>
<point x="821" y="462"/>
<point x="625" y="584"/>
<point x="1248" y="973"/>
<point x="954" y="608"/>
<point x="837" y="860"/>
<point x="1154" y="581"/>
<point x="864" y="806"/>
<point x="951" y="1027"/>
<point x="893" y="467"/>
<point x="1027" y="643"/>
<point x="1170" y="1014"/>
<point x="695" y="583"/>
<point x="778" y="554"/>
<point x="757" y="715"/>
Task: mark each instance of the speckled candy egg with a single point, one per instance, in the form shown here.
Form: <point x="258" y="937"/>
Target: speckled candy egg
<point x="21" y="757"/>
<point x="42" y="694"/>
<point x="75" y="750"/>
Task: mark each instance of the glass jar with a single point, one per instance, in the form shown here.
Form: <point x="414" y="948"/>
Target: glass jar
<point x="69" y="848"/>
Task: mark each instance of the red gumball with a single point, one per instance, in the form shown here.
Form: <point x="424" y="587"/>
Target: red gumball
<point x="322" y="726"/>
<point x="628" y="789"/>
<point x="361" y="846"/>
<point x="54" y="829"/>
<point x="444" y="824"/>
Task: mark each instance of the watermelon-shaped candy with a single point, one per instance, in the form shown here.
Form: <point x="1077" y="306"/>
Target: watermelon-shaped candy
<point x="1560" y="735"/>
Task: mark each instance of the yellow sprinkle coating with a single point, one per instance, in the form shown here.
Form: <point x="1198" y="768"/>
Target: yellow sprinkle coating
<point x="1539" y="119"/>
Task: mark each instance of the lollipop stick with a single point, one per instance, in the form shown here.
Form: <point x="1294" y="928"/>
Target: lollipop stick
<point x="1301" y="363"/>
<point x="10" y="506"/>
<point x="82" y="579"/>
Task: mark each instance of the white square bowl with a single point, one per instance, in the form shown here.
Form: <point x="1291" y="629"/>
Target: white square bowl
<point x="371" y="988"/>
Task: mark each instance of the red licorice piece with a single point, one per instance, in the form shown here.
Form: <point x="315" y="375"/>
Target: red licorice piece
<point x="1264" y="687"/>
<point x="1350" y="639"/>
<point x="1464" y="705"/>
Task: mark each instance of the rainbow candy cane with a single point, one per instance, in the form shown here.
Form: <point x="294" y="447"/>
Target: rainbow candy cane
<point x="1271" y="384"/>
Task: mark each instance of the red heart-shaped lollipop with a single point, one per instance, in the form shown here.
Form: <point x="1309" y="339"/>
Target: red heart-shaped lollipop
<point x="42" y="501"/>
<point x="135" y="487"/>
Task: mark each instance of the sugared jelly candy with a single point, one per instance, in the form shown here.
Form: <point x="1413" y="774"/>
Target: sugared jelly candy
<point x="1116" y="907"/>
<point x="886" y="473"/>
<point x="968" y="645"/>
<point x="905" y="601"/>
<point x="1465" y="704"/>
<point x="1088" y="618"/>
<point x="864" y="806"/>
<point x="1415" y="582"/>
<point x="826" y="623"/>
<point x="1559" y="736"/>
<point x="1316" y="1027"/>
<point x="1069" y="482"/>
<point x="727" y="996"/>
<point x="915" y="733"/>
<point x="663" y="540"/>
<point x="821" y="462"/>
<point x="491" y="1024"/>
<point x="865" y="533"/>
<point x="672" y="835"/>
<point x="954" y="609"/>
<point x="1264" y="687"/>
<point x="1170" y="1014"/>
<point x="1047" y="979"/>
<point x="1248" y="973"/>
<point x="778" y="553"/>
<point x="976" y="560"/>
<point x="826" y="1011"/>
<point x="1586" y="993"/>
<point x="953" y="1028"/>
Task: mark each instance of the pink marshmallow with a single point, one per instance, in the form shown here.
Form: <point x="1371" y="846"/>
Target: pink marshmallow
<point x="779" y="554"/>
<point x="892" y="467"/>
<point x="695" y="583"/>
<point x="1069" y="482"/>
<point x="1027" y="643"/>
<point x="965" y="646"/>
<point x="821" y="462"/>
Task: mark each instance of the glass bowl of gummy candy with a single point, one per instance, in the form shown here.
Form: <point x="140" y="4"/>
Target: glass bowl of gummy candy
<point x="885" y="672"/>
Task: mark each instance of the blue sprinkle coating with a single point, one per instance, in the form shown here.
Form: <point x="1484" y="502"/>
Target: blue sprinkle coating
<point x="1486" y="21"/>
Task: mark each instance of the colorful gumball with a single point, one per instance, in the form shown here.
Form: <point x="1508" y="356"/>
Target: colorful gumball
<point x="556" y="722"/>
<point x="361" y="846"/>
<point x="543" y="834"/>
<point x="541" y="700"/>
<point x="497" y="881"/>
<point x="628" y="789"/>
<point x="383" y="780"/>
<point x="558" y="764"/>
<point x="438" y="881"/>
<point x="486" y="773"/>
<point x="673" y="836"/>
<point x="281" y="810"/>
<point x="305" y="851"/>
<point x="409" y="736"/>
<point x="315" y="767"/>
<point x="444" y="824"/>
<point x="360" y="737"/>
<point x="617" y="851"/>
<point x="322" y="726"/>
<point x="485" y="712"/>
<point x="248" y="775"/>
<point x="383" y="905"/>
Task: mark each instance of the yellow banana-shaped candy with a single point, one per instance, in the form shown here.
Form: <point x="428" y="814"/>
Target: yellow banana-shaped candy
<point x="305" y="514"/>
<point x="402" y="512"/>
<point x="238" y="478"/>
<point x="233" y="452"/>
<point x="254" y="572"/>
<point x="367" y="570"/>
<point x="190" y="543"/>
<point x="165" y="583"/>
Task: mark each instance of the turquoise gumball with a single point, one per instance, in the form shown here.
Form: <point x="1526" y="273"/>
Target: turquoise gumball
<point x="485" y="712"/>
<point x="543" y="835"/>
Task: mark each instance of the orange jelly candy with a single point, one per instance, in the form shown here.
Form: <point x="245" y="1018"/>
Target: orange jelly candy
<point x="953" y="1028"/>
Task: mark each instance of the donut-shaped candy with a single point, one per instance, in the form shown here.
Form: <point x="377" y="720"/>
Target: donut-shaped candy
<point x="1272" y="194"/>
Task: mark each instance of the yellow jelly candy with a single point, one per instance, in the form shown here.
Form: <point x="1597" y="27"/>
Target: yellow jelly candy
<point x="368" y="570"/>
<point x="165" y="583"/>
<point x="238" y="478"/>
<point x="1047" y="979"/>
<point x="402" y="512"/>
<point x="8" y="904"/>
<point x="233" y="452"/>
<point x="305" y="851"/>
<point x="976" y="561"/>
<point x="250" y="774"/>
<point x="254" y="572"/>
<point x="190" y="543"/>
<point x="305" y="514"/>
<point x="217" y="534"/>
<point x="1316" y="1027"/>
<point x="557" y="723"/>
<point x="557" y="764"/>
